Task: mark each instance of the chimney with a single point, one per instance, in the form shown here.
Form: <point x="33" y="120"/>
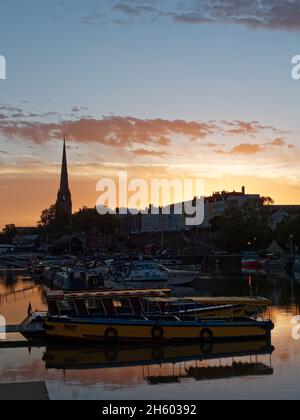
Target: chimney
<point x="243" y="190"/>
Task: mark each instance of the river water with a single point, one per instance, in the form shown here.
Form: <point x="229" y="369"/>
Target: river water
<point x="253" y="370"/>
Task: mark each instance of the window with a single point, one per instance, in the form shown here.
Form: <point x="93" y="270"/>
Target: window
<point x="66" y="307"/>
<point x="95" y="307"/>
<point x="123" y="306"/>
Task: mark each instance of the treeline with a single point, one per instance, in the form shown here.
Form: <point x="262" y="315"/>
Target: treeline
<point x="84" y="220"/>
<point x="250" y="228"/>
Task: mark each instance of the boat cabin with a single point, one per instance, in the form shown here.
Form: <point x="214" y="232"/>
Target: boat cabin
<point x="97" y="304"/>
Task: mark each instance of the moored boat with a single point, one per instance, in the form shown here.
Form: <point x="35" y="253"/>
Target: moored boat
<point x="120" y="317"/>
<point x="148" y="273"/>
<point x="78" y="279"/>
<point x="120" y="329"/>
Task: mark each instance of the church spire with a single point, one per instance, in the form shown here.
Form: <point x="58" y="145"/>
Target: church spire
<point x="64" y="200"/>
<point x="64" y="178"/>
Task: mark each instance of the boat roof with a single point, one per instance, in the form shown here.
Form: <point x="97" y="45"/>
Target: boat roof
<point x="58" y="294"/>
<point x="158" y="296"/>
<point x="257" y="301"/>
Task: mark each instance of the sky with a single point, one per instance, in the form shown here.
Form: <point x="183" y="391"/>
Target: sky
<point x="198" y="89"/>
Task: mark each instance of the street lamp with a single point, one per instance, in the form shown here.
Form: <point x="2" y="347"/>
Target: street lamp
<point x="291" y="246"/>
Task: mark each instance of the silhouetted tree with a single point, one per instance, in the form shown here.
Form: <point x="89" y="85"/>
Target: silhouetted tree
<point x="87" y="219"/>
<point x="243" y="228"/>
<point x="8" y="233"/>
<point x="50" y="223"/>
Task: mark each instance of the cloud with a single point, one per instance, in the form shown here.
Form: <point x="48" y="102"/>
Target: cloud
<point x="133" y="134"/>
<point x="115" y="131"/>
<point x="278" y="142"/>
<point x="266" y="14"/>
<point x="248" y="149"/>
<point x="149" y="153"/>
<point x="126" y="9"/>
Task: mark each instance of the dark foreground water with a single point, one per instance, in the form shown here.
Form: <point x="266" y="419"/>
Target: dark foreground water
<point x="253" y="370"/>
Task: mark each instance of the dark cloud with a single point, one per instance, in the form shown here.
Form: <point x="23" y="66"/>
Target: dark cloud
<point x="267" y="14"/>
<point x="127" y="9"/>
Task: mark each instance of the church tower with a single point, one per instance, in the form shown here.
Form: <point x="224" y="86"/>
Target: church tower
<point x="64" y="201"/>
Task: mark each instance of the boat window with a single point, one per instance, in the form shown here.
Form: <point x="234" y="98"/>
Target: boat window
<point x="95" y="307"/>
<point x="123" y="306"/>
<point x="153" y="307"/>
<point x="66" y="307"/>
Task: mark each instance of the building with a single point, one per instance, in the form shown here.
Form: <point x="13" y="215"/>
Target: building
<point x="281" y="213"/>
<point x="63" y="204"/>
<point x="219" y="202"/>
<point x="214" y="206"/>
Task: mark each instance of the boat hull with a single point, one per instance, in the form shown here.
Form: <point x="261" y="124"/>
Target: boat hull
<point x="162" y="331"/>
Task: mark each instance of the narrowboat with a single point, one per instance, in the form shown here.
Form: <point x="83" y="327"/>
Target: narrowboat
<point x="108" y="317"/>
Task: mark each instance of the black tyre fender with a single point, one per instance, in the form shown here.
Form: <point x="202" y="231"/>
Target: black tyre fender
<point x="206" y="335"/>
<point x="111" y="355"/>
<point x="206" y="347"/>
<point x="157" y="332"/>
<point x="158" y="353"/>
<point x="111" y="333"/>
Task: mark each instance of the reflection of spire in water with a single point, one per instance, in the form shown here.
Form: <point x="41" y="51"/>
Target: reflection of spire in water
<point x="10" y="277"/>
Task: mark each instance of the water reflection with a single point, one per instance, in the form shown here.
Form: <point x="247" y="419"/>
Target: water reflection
<point x="254" y="369"/>
<point x="95" y="357"/>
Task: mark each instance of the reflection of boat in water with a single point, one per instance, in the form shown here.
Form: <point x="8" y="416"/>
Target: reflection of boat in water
<point x="274" y="264"/>
<point x="251" y="261"/>
<point x="100" y="357"/>
<point x="235" y="370"/>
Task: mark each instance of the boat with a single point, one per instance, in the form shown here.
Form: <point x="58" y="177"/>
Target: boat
<point x="111" y="317"/>
<point x="147" y="329"/>
<point x="180" y="277"/>
<point x="251" y="260"/>
<point x="78" y="279"/>
<point x="38" y="265"/>
<point x="147" y="272"/>
<point x="208" y="307"/>
<point x="155" y="302"/>
<point x="140" y="273"/>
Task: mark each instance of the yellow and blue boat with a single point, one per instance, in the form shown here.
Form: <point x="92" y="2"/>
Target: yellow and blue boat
<point x="142" y="316"/>
<point x="147" y="329"/>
